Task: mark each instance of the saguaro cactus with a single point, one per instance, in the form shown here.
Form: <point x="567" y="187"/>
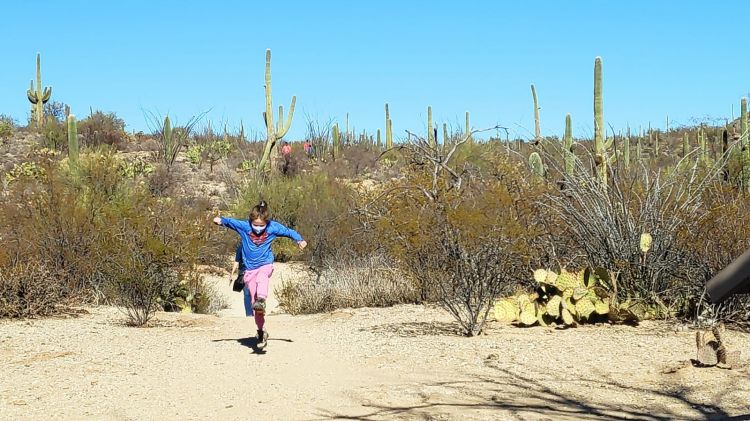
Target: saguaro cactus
<point x="568" y="156"/>
<point x="72" y="141"/>
<point x="536" y="164"/>
<point x="468" y="129"/>
<point x="430" y="134"/>
<point x="273" y="133"/>
<point x="380" y="143"/>
<point x="745" y="147"/>
<point x="38" y="97"/>
<point x="336" y="141"/>
<point x="685" y="145"/>
<point x="388" y="129"/>
<point x="537" y="128"/>
<point x="601" y="145"/>
<point x="626" y="151"/>
<point x="446" y="139"/>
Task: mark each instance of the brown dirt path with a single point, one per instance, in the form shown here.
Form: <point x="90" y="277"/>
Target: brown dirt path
<point x="398" y="363"/>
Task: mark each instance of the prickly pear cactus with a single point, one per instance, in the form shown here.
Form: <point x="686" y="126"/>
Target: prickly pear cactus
<point x="567" y="298"/>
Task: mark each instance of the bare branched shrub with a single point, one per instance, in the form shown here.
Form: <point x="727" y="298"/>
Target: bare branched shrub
<point x="29" y="290"/>
<point x="468" y="274"/>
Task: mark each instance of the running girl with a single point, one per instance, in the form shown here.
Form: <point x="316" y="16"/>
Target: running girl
<point x="257" y="233"/>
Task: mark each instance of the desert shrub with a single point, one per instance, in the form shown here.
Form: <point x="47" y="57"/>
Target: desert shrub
<point x="7" y="128"/>
<point x="359" y="282"/>
<point x="309" y="203"/>
<point x="28" y="290"/>
<point x="106" y="237"/>
<point x="54" y="133"/>
<point x="161" y="181"/>
<point x="606" y="225"/>
<point x="468" y="275"/>
<point x="209" y="148"/>
<point x="55" y="110"/>
<point x="101" y="128"/>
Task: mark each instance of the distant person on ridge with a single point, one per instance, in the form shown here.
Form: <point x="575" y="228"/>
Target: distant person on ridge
<point x="286" y="149"/>
<point x="257" y="233"/>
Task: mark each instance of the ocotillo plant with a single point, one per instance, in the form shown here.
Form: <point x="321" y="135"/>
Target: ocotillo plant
<point x="468" y="129"/>
<point x="72" y="142"/>
<point x="568" y="156"/>
<point x="537" y="128"/>
<point x="273" y="134"/>
<point x="38" y="97"/>
<point x="601" y="145"/>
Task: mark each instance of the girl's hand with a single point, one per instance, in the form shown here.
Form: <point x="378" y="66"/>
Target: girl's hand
<point x="302" y="244"/>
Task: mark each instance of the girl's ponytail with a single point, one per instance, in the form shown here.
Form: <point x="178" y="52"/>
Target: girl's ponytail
<point x="260" y="211"/>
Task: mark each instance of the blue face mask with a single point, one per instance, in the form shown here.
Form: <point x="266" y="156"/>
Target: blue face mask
<point x="258" y="229"/>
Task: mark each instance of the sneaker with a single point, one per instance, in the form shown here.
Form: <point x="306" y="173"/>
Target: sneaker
<point x="260" y="305"/>
<point x="262" y="338"/>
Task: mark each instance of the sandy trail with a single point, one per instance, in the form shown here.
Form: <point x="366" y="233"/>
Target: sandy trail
<point x="399" y="363"/>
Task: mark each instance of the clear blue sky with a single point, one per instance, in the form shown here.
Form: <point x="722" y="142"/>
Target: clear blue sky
<point x="682" y="58"/>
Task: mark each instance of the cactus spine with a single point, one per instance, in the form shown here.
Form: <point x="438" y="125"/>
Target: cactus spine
<point x="537" y="129"/>
<point x="274" y="134"/>
<point x="600" y="143"/>
<point x="569" y="157"/>
<point x="38" y="97"/>
<point x="72" y="141"/>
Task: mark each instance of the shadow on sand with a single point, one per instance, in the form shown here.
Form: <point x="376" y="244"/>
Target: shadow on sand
<point x="514" y="394"/>
<point x="251" y="342"/>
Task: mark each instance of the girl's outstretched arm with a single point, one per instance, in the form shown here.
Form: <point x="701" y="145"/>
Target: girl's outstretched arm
<point x="283" y="231"/>
<point x="234" y="224"/>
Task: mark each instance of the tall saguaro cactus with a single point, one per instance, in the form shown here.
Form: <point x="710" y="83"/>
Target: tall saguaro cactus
<point x="273" y="133"/>
<point x="388" y="129"/>
<point x="468" y="129"/>
<point x="744" y="144"/>
<point x="568" y="157"/>
<point x="38" y="97"/>
<point x="336" y="141"/>
<point x="537" y="128"/>
<point x="72" y="141"/>
<point x="601" y="145"/>
<point x="430" y="133"/>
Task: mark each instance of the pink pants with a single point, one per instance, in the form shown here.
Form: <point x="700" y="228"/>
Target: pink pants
<point x="257" y="281"/>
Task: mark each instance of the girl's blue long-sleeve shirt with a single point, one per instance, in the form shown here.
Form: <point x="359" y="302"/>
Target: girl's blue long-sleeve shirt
<point x="255" y="256"/>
